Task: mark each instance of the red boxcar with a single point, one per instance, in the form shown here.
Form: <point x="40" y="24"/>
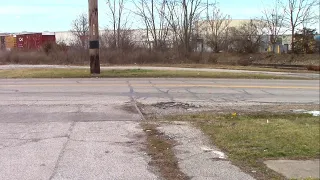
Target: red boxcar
<point x="34" y="41"/>
<point x="29" y="41"/>
<point x="48" y="39"/>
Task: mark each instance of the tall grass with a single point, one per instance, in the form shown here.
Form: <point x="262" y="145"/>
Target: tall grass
<point x="79" y="56"/>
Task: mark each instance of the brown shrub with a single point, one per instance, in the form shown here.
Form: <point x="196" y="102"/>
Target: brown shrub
<point x="213" y="59"/>
<point x="49" y="56"/>
<point x="61" y="54"/>
<point x="195" y="58"/>
<point x="138" y="56"/>
<point x="288" y="59"/>
<point x="20" y="57"/>
<point x="246" y="61"/>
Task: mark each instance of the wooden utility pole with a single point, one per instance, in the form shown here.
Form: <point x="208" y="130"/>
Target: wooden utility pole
<point x="94" y="37"/>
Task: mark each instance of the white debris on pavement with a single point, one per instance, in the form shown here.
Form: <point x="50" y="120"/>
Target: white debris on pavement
<point x="314" y="113"/>
<point x="219" y="153"/>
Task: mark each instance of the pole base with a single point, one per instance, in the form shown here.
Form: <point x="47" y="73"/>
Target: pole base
<point x="95" y="75"/>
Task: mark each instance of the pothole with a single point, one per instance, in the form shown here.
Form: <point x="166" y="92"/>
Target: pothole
<point x="128" y="107"/>
<point x="179" y="105"/>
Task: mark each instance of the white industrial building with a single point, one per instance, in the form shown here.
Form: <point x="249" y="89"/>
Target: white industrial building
<point x="140" y="36"/>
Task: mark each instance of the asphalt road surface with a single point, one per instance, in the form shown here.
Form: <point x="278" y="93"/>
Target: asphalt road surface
<point x="89" y="129"/>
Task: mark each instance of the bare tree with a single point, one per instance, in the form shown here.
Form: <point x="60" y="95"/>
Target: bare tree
<point x="274" y="20"/>
<point x="304" y="41"/>
<point x="152" y="14"/>
<point x="217" y="26"/>
<point x="125" y="41"/>
<point x="299" y="13"/>
<point x="80" y="29"/>
<point x="119" y="22"/>
<point x="181" y="16"/>
<point x="248" y="37"/>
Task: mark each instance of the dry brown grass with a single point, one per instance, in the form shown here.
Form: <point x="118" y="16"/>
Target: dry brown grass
<point x="139" y="56"/>
<point x="160" y="149"/>
<point x="300" y="59"/>
<point x="78" y="56"/>
<point x="39" y="57"/>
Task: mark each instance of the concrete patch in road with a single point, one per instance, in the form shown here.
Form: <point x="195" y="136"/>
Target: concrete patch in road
<point x="197" y="158"/>
<point x="64" y="113"/>
<point x="30" y="160"/>
<point x="30" y="151"/>
<point x="296" y="169"/>
<point x="105" y="150"/>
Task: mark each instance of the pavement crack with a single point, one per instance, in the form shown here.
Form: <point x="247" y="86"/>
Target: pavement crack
<point x="166" y="93"/>
<point x="79" y="140"/>
<point x="131" y="88"/>
<point x="36" y="139"/>
<point x="9" y="90"/>
<point x="268" y="92"/>
<point x="193" y="94"/>
<point x="102" y="141"/>
<point x="134" y="101"/>
<point x="226" y="99"/>
<point x="16" y="145"/>
<point x="246" y="92"/>
<point x="55" y="169"/>
<point x="27" y="141"/>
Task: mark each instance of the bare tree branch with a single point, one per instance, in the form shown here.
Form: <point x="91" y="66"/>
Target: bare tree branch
<point x="275" y="21"/>
<point x="152" y="14"/>
<point x="299" y="13"/>
<point x="216" y="27"/>
<point x="119" y="24"/>
<point x="181" y="16"/>
<point x="248" y="37"/>
<point x="80" y="29"/>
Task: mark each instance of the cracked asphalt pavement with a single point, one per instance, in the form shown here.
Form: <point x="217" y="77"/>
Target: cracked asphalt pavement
<point x="90" y="128"/>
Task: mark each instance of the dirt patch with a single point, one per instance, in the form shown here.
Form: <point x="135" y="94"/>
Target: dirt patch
<point x="164" y="109"/>
<point x="160" y="149"/>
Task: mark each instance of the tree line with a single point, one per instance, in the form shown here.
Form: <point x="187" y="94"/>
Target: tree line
<point x="189" y="25"/>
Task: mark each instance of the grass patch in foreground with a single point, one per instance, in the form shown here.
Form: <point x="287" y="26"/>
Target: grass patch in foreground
<point x="159" y="148"/>
<point x="250" y="139"/>
<point x="135" y="73"/>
